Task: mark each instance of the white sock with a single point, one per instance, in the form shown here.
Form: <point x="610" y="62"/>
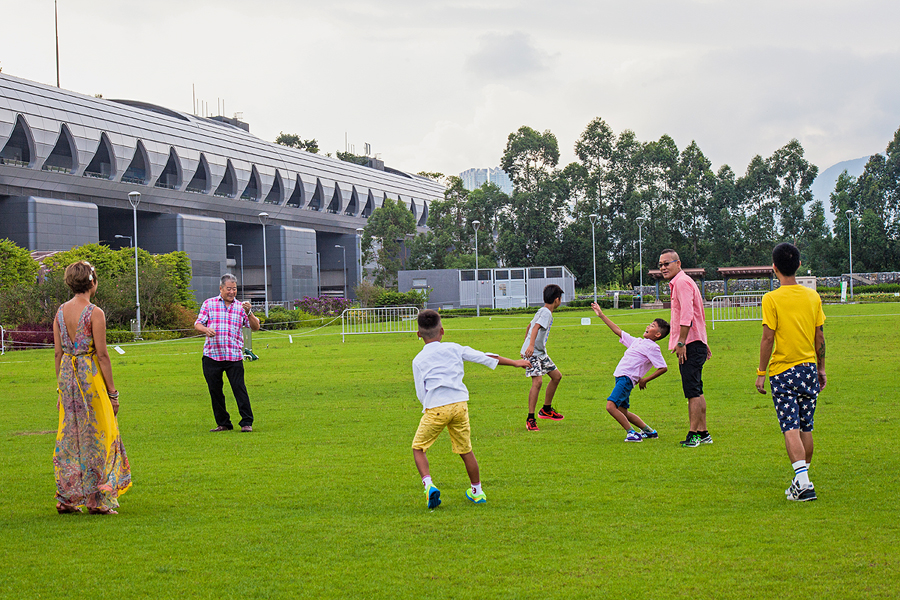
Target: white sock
<point x="801" y="473"/>
<point x="426" y="481"/>
<point x="476" y="488"/>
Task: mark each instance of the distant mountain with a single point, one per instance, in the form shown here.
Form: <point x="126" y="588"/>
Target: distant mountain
<point x="824" y="183"/>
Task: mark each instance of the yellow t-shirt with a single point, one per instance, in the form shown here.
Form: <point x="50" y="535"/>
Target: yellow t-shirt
<point x="793" y="312"/>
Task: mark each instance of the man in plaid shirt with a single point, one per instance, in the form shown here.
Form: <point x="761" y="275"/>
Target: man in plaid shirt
<point x="221" y="320"/>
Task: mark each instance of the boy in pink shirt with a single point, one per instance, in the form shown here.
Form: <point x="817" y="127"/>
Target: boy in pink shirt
<point x="641" y="354"/>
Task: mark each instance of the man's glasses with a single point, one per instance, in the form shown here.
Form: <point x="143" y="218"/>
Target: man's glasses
<point x="666" y="264"/>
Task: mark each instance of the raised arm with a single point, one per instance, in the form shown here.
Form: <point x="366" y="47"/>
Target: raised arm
<point x="612" y="326"/>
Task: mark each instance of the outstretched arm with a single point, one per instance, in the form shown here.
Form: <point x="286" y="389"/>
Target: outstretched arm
<point x="612" y="326"/>
<point x="508" y="362"/>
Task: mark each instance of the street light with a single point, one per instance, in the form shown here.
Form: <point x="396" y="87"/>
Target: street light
<point x="850" y="239"/>
<point x="134" y="198"/>
<point x="241" y="248"/>
<point x="124" y="237"/>
<point x="262" y="219"/>
<point x="359" y="233"/>
<point x="640" y="222"/>
<point x="318" y="274"/>
<point x="476" y="225"/>
<point x="344" y="252"/>
<point x="593" y="218"/>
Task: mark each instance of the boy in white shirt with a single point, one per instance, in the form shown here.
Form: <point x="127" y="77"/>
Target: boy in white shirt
<point x="438" y="373"/>
<point x="641" y="354"/>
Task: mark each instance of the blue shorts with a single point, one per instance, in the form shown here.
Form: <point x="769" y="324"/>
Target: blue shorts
<point x="794" y="393"/>
<point x="622" y="392"/>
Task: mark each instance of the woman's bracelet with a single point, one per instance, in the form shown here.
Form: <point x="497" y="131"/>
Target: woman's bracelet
<point x="760" y="373"/>
<point x="114" y="395"/>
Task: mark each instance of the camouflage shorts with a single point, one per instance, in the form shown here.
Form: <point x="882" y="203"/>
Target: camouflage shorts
<point x="540" y="365"/>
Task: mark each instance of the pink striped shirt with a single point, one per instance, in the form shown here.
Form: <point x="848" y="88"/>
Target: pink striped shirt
<point x="227" y="322"/>
<point x="687" y="309"/>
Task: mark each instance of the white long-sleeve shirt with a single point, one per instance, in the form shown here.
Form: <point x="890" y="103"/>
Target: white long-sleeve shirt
<point x="438" y="372"/>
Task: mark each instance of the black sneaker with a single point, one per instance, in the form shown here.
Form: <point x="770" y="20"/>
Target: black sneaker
<point x="706" y="439"/>
<point x="798" y="494"/>
<point x="686" y="438"/>
<point x="692" y="442"/>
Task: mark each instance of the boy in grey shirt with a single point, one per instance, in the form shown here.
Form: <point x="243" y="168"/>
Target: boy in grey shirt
<point x="534" y="349"/>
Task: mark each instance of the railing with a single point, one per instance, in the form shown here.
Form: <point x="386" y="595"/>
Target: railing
<point x="385" y="319"/>
<point x="13" y="162"/>
<point x="2" y="341"/>
<point x="739" y="307"/>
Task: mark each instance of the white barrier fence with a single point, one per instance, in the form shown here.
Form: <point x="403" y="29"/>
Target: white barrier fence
<point x="2" y="341"/>
<point x="740" y="307"/>
<point x="385" y="319"/>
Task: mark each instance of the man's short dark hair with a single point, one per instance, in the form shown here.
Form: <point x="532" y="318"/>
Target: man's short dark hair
<point x="663" y="327"/>
<point x="429" y="323"/>
<point x="551" y="293"/>
<point x="786" y="258"/>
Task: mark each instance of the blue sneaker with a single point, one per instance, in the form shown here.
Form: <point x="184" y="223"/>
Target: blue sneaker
<point x="476" y="498"/>
<point x="633" y="436"/>
<point x="649" y="435"/>
<point x="433" y="496"/>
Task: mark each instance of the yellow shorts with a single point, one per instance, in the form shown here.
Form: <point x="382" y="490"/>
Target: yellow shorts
<point x="455" y="417"/>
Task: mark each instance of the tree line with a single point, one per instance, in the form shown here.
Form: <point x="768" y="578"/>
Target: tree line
<point x="671" y="197"/>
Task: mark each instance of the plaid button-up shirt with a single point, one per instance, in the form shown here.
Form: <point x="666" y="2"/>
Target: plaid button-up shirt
<point x="227" y="322"/>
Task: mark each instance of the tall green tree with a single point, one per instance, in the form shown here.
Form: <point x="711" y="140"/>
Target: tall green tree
<point x="794" y="176"/>
<point x="383" y="237"/>
<point x="530" y="157"/>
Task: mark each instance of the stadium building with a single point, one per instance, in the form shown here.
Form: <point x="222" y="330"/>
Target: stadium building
<point x="68" y="163"/>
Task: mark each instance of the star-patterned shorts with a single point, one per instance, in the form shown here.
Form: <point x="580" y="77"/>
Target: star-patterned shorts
<point x="794" y="393"/>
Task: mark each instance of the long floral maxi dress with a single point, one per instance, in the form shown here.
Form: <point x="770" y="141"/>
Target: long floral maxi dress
<point x="90" y="464"/>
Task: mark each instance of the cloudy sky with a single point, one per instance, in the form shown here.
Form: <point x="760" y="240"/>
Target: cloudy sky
<point x="438" y="86"/>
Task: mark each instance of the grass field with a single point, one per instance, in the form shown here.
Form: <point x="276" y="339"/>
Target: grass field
<point x="323" y="499"/>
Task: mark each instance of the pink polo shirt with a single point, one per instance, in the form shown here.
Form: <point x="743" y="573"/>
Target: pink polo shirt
<point x="687" y="309"/>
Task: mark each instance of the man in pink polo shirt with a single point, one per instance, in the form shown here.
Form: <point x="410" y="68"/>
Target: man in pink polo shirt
<point x="688" y="342"/>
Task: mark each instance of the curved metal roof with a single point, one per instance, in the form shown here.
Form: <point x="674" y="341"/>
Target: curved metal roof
<point x="88" y="123"/>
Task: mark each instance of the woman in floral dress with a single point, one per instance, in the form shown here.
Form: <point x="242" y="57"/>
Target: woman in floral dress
<point x="89" y="461"/>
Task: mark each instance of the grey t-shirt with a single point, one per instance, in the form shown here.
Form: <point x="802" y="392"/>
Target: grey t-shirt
<point x="544" y="318"/>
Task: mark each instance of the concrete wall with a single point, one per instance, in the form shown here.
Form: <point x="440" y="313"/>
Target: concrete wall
<point x="47" y="223"/>
<point x="292" y="252"/>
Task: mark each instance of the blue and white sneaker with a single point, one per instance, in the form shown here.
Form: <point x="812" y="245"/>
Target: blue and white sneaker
<point x="433" y="496"/>
<point x="633" y="436"/>
<point x="798" y="494"/>
<point x="649" y="435"/>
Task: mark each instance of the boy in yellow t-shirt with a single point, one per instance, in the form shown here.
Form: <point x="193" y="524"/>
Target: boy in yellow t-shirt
<point x="794" y="339"/>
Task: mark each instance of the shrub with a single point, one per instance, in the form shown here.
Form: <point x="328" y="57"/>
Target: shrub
<point x="415" y="298"/>
<point x="30" y="335"/>
<point x="323" y="305"/>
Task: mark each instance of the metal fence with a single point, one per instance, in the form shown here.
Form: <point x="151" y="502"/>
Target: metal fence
<point x="385" y="319"/>
<point x="740" y="307"/>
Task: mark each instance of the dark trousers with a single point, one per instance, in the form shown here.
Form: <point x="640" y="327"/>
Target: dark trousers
<point x="212" y="371"/>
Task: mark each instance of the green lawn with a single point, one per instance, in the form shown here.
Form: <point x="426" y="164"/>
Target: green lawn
<point x="323" y="499"/>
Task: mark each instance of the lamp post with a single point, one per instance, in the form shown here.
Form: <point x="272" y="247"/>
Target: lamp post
<point x="124" y="237"/>
<point x="134" y="198"/>
<point x="241" y="248"/>
<point x="263" y="216"/>
<point x="344" y="252"/>
<point x="640" y="222"/>
<point x="850" y="239"/>
<point x="359" y="234"/>
<point x="318" y="274"/>
<point x="593" y="218"/>
<point x="476" y="225"/>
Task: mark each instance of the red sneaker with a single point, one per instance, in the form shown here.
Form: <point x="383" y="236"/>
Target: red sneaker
<point x="551" y="414"/>
<point x="531" y="425"/>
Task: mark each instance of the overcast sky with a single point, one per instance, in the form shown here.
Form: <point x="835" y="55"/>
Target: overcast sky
<point x="438" y="86"/>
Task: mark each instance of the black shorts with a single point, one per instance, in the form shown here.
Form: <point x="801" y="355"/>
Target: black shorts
<point x="692" y="369"/>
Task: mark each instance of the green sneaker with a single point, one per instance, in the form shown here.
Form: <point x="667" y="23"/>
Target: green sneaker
<point x="433" y="496"/>
<point x="476" y="498"/>
<point x="692" y="441"/>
